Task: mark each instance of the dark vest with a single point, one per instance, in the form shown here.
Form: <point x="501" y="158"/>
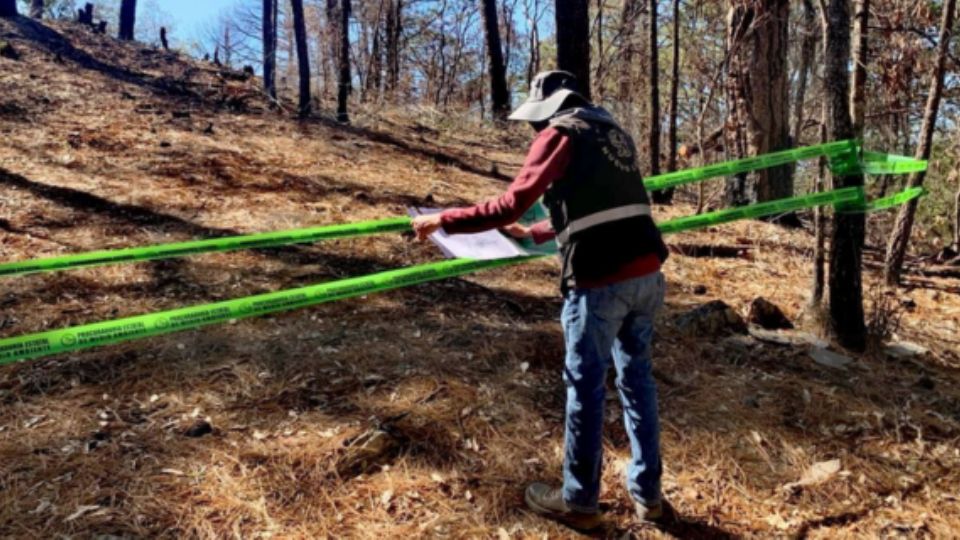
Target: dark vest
<point x="600" y="208"/>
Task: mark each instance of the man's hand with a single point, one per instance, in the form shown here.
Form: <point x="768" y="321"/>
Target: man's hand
<point x="424" y="226"/>
<point x="517" y="230"/>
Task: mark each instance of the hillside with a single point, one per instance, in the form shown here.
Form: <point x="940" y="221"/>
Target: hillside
<point x="419" y="412"/>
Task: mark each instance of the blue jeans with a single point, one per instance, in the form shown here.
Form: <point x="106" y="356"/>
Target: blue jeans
<point x="613" y="322"/>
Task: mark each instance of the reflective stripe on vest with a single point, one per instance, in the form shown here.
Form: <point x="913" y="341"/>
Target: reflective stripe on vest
<point x="606" y="216"/>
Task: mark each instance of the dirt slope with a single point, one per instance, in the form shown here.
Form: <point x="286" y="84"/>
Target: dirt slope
<point x="420" y="412"/>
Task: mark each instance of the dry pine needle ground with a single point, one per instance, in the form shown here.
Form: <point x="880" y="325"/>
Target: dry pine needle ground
<point x="420" y="412"/>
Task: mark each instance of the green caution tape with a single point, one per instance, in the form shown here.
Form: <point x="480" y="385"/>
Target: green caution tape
<point x="842" y="155"/>
<point x="850" y="195"/>
<point x="877" y="163"/>
<point x="896" y="199"/>
<point x="155" y="324"/>
<point x="839" y="150"/>
<point x="165" y="322"/>
<point x="231" y="243"/>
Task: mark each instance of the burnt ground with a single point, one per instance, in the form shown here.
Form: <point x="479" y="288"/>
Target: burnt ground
<point x="418" y="412"/>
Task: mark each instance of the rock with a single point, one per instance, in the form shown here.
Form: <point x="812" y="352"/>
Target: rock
<point x="199" y="429"/>
<point x="712" y="318"/>
<point x="818" y="473"/>
<point x="767" y="315"/>
<point x="7" y="51"/>
<point x="786" y="337"/>
<point x="925" y="383"/>
<point x="699" y="290"/>
<point x="904" y="349"/>
<point x="908" y="303"/>
<point x="829" y="358"/>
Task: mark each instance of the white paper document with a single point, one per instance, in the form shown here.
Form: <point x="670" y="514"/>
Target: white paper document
<point x="481" y="246"/>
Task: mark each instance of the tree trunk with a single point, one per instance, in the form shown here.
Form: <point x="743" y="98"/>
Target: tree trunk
<point x="819" y="220"/>
<point x="499" y="94"/>
<point x="8" y="8"/>
<point x="858" y="93"/>
<point x="163" y="38"/>
<point x="573" y="41"/>
<point x="956" y="219"/>
<point x="128" y="18"/>
<point x="85" y="15"/>
<point x="303" y="59"/>
<point x="739" y="19"/>
<point x="897" y="248"/>
<point x="846" y="242"/>
<point x="36" y="9"/>
<point x="674" y="101"/>
<point x="373" y="83"/>
<point x="394" y="30"/>
<point x="759" y="35"/>
<point x="344" y="80"/>
<point x="808" y="54"/>
<point x="270" y="13"/>
<point x="628" y="25"/>
<point x="653" y="86"/>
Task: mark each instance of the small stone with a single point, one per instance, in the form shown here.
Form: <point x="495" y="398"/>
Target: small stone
<point x="925" y="383"/>
<point x="829" y="358"/>
<point x="199" y="429"/>
<point x="699" y="290"/>
<point x="712" y="318"/>
<point x="7" y="51"/>
<point x="767" y="315"/>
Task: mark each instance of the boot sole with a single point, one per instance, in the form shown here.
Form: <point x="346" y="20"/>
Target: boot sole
<point x="589" y="524"/>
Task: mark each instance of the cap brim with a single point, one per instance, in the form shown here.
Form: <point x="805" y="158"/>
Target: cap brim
<point x="538" y="111"/>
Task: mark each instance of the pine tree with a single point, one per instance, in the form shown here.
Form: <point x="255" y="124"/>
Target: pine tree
<point x="499" y="93"/>
<point x="128" y="17"/>
<point x="8" y="8"/>
<point x="573" y="41"/>
<point x="303" y="59"/>
<point x="270" y="47"/>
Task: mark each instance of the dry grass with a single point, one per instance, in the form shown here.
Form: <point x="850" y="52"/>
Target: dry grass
<point x="420" y="412"/>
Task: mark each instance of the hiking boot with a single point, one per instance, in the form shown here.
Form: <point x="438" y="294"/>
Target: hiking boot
<point x="649" y="514"/>
<point x="548" y="502"/>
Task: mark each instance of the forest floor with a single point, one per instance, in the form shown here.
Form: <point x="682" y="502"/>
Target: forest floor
<point x="419" y="412"/>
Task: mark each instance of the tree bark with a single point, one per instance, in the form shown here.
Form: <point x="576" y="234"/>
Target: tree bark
<point x="394" y="30"/>
<point x="956" y="219"/>
<point x="759" y="32"/>
<point x="858" y="94"/>
<point x="270" y="13"/>
<point x="808" y="54"/>
<point x="897" y="247"/>
<point x="499" y="94"/>
<point x="628" y="25"/>
<point x="819" y="220"/>
<point x="8" y="8"/>
<point x="653" y="140"/>
<point x="303" y="59"/>
<point x="85" y="14"/>
<point x="533" y="63"/>
<point x="344" y="79"/>
<point x="674" y="100"/>
<point x="128" y="18"/>
<point x="36" y="9"/>
<point x="846" y="241"/>
<point x="573" y="41"/>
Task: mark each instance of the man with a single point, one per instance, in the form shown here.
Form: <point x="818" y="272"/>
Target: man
<point x="585" y="167"/>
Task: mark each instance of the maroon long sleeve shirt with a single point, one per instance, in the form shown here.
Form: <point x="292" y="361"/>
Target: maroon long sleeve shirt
<point x="546" y="162"/>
